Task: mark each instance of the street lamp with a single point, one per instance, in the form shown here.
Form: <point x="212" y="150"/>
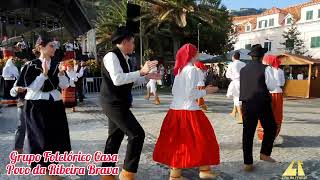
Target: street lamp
<point x="199" y="24"/>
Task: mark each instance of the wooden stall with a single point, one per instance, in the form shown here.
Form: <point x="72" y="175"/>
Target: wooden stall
<point x="295" y="68"/>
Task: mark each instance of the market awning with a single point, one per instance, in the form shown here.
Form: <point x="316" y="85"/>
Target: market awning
<point x="69" y="12"/>
<point x="205" y="58"/>
<point x="293" y="59"/>
<point x="243" y="54"/>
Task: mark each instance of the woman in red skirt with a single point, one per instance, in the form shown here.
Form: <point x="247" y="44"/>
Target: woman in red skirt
<point x="69" y="94"/>
<point x="201" y="68"/>
<point x="277" y="94"/>
<point x="187" y="138"/>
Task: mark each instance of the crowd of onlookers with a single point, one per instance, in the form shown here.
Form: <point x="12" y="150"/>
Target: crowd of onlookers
<point x="213" y="76"/>
<point x="23" y="49"/>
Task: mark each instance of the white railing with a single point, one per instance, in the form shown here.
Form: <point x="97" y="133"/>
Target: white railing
<point x="93" y="85"/>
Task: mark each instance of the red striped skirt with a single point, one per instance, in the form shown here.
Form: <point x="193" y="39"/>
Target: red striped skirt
<point x="69" y="97"/>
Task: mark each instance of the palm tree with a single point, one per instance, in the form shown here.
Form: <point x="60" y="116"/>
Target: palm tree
<point x="176" y="12"/>
<point x="172" y="18"/>
<point x="180" y="18"/>
<point x="109" y="17"/>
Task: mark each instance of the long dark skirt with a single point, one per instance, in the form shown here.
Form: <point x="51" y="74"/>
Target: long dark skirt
<point x="47" y="127"/>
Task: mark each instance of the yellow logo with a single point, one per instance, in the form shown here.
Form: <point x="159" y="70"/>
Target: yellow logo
<point x="294" y="173"/>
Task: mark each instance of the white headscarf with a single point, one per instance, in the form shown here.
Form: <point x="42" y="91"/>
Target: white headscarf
<point x="10" y="70"/>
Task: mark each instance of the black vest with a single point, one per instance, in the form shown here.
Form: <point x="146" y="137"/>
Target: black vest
<point x="80" y="80"/>
<point x="116" y="95"/>
<point x="253" y="86"/>
<point x="32" y="69"/>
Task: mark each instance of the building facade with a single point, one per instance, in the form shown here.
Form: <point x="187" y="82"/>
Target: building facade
<point x="267" y="28"/>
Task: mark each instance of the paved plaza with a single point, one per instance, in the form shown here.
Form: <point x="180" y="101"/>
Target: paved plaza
<point x="88" y="130"/>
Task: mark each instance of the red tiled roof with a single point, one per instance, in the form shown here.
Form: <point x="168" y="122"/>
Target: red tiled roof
<point x="295" y="11"/>
<point x="273" y="10"/>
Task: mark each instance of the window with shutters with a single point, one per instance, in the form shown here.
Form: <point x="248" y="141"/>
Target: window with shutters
<point x="267" y="45"/>
<point x="315" y="42"/>
<point x="309" y="15"/>
<point x="289" y="20"/>
<point x="271" y="22"/>
<point x="260" y="24"/>
<point x="248" y="28"/>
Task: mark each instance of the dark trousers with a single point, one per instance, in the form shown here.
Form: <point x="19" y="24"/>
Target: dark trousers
<point x="21" y="130"/>
<point x="252" y="111"/>
<point x="79" y="88"/>
<point x="122" y="122"/>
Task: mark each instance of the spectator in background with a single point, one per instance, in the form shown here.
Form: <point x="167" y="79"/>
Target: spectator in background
<point x="161" y="70"/>
<point x="133" y="62"/>
<point x="170" y="74"/>
<point x="56" y="43"/>
<point x="211" y="77"/>
<point x="79" y="67"/>
<point x="77" y="49"/>
<point x="69" y="50"/>
<point x="300" y="76"/>
<point x="10" y="73"/>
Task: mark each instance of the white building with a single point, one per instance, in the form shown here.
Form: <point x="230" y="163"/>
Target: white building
<point x="267" y="28"/>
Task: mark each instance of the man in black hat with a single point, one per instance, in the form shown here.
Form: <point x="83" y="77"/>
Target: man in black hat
<point x="256" y="80"/>
<point x="115" y="90"/>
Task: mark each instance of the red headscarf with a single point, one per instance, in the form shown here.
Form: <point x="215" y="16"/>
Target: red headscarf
<point x="272" y="60"/>
<point x="200" y="65"/>
<point x="7" y="53"/>
<point x="184" y="56"/>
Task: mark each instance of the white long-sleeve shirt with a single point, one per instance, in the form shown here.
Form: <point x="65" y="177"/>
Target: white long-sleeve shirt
<point x="73" y="77"/>
<point x="233" y="73"/>
<point x="10" y="71"/>
<point x="81" y="71"/>
<point x="118" y="77"/>
<point x="278" y="75"/>
<point x="201" y="77"/>
<point x="184" y="90"/>
<point x="34" y="89"/>
<point x="269" y="79"/>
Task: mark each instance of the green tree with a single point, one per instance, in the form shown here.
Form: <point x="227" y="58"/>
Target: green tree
<point x="109" y="17"/>
<point x="292" y="42"/>
<point x="177" y="19"/>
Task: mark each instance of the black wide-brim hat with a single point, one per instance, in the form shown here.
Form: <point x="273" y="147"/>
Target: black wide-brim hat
<point x="120" y="33"/>
<point x="257" y="51"/>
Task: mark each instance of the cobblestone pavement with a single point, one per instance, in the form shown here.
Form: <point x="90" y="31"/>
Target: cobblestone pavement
<point x="88" y="130"/>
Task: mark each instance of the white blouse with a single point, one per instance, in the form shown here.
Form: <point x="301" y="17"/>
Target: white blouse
<point x="278" y="75"/>
<point x="34" y="89"/>
<point x="201" y="77"/>
<point x="73" y="77"/>
<point x="69" y="46"/>
<point x="233" y="71"/>
<point x="10" y="71"/>
<point x="184" y="90"/>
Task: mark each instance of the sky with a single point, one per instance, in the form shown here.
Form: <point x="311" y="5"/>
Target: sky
<point x="237" y="4"/>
